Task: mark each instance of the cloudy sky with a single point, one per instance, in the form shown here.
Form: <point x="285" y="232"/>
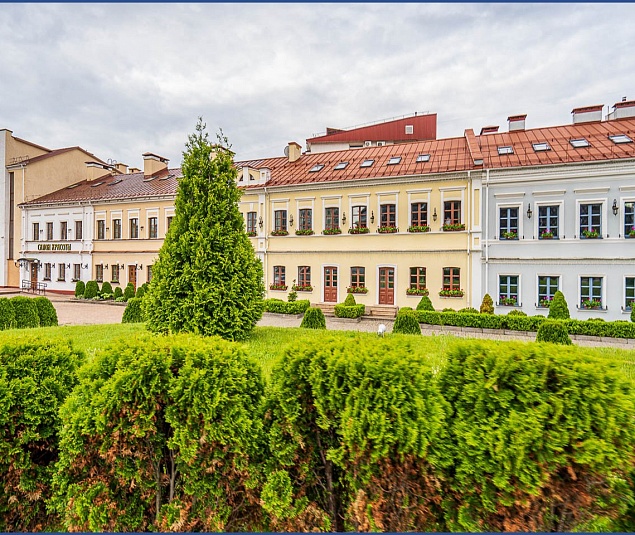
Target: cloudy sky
<point x="123" y="79"/>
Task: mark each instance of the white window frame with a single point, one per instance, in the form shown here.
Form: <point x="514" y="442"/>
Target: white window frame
<point x="561" y="214"/>
<point x="550" y="274"/>
<point x="604" y="220"/>
<point x="498" y="289"/>
<point x="603" y="290"/>
<point x="499" y="207"/>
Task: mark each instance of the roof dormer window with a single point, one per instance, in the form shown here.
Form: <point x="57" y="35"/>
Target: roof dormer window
<point x="505" y="150"/>
<point x="579" y="143"/>
<point x="394" y="160"/>
<point x="341" y="165"/>
<point x="423" y="158"/>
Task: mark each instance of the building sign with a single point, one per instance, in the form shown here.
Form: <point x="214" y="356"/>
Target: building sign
<point x="53" y="246"/>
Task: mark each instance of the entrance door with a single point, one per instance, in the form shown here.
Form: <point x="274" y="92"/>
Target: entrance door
<point x="132" y="275"/>
<point x="386" y="286"/>
<point x="330" y="284"/>
<point x="33" y="275"/>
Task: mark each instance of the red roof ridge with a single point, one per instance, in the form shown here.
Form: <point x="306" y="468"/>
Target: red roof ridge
<point x="473" y="146"/>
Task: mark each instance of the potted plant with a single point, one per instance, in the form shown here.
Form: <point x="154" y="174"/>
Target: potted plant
<point x="451" y="293"/>
<point x="281" y="287"/>
<point x="453" y="227"/>
<point x="298" y="288"/>
<point x="631" y="233"/>
<point x="357" y="290"/>
<point x="332" y="231"/>
<point x="508" y="301"/>
<point x="358" y="230"/>
<point x="591" y="303"/>
<point x="545" y="302"/>
<point x="510" y="235"/>
<point x="591" y="234"/>
<point x="251" y="233"/>
<point x="546" y="235"/>
<point x="419" y="228"/>
<point x="417" y="291"/>
<point x="304" y="232"/>
<point x="279" y="232"/>
<point x="387" y="230"/>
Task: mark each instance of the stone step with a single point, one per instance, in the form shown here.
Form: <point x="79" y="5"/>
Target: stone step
<point x="381" y="311"/>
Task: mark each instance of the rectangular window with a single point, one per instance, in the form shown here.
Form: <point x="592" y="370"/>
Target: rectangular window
<point x="169" y="222"/>
<point x="280" y="220"/>
<point x="36" y="232"/>
<point x="548" y="221"/>
<point x="547" y="288"/>
<point x="134" y="228"/>
<point x="452" y="212"/>
<point x="153" y="227"/>
<point x="116" y="229"/>
<point x="306" y="219"/>
<point x="101" y="229"/>
<point x="629" y="292"/>
<point x="629" y="218"/>
<point x="590" y="220"/>
<point x="419" y="214"/>
<point x="251" y="222"/>
<point x="77" y="272"/>
<point x="149" y="273"/>
<point x="114" y="270"/>
<point x="417" y="278"/>
<point x="451" y="278"/>
<point x="279" y="275"/>
<point x="358" y="277"/>
<point x="508" y="219"/>
<point x="508" y="290"/>
<point x="47" y="271"/>
<point x="332" y="218"/>
<point x="388" y="215"/>
<point x="590" y="292"/>
<point x="304" y="276"/>
<point x="359" y="219"/>
<point x="79" y="230"/>
<point x="49" y="231"/>
<point x="61" y="271"/>
<point x="63" y="230"/>
<point x="99" y="273"/>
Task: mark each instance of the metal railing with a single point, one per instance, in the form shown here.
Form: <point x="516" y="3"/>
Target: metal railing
<point x="33" y="287"/>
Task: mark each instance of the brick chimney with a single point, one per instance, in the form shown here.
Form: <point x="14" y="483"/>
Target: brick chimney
<point x="587" y="114"/>
<point x="153" y="163"/>
<point x="516" y="122"/>
<point x="294" y="151"/>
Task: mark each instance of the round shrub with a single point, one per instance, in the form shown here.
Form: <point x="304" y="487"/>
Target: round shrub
<point x="7" y="314"/>
<point x="80" y="288"/>
<point x="468" y="310"/>
<point x="487" y="306"/>
<point x="313" y="319"/>
<point x="516" y="312"/>
<point x="92" y="290"/>
<point x="106" y="289"/>
<point x="406" y="323"/>
<point x="26" y="315"/>
<point x="133" y="313"/>
<point x="558" y="309"/>
<point x="46" y="312"/>
<point x="118" y="293"/>
<point x="350" y="300"/>
<point x="554" y="332"/>
<point x="141" y="291"/>
<point x="425" y="304"/>
<point x="129" y="291"/>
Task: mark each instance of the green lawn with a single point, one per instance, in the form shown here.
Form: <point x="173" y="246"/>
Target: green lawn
<point x="267" y="344"/>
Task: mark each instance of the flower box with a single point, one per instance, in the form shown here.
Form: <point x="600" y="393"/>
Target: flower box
<point x="545" y="303"/>
<point x="417" y="291"/>
<point x="453" y="227"/>
<point x="591" y="303"/>
<point x="419" y="228"/>
<point x="451" y="293"/>
<point x="591" y="234"/>
<point x="387" y="230"/>
<point x="331" y="231"/>
<point x="507" y="301"/>
<point x="251" y="234"/>
<point x="631" y="233"/>
<point x="279" y="232"/>
<point x="357" y="290"/>
<point x="510" y="236"/>
<point x="297" y="288"/>
<point x="304" y="232"/>
<point x="546" y="235"/>
<point x="359" y="230"/>
<point x="281" y="287"/>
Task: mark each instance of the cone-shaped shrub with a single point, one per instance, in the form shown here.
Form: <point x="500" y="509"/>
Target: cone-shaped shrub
<point x="80" y="288"/>
<point x="425" y="304"/>
<point x="313" y="319"/>
<point x="406" y="323"/>
<point x="129" y="291"/>
<point x="106" y="288"/>
<point x="26" y="315"/>
<point x="350" y="300"/>
<point x="133" y="313"/>
<point x="92" y="290"/>
<point x="558" y="309"/>
<point x="554" y="332"/>
<point x="7" y="314"/>
<point x="46" y="312"/>
<point x="118" y="292"/>
<point x="141" y="291"/>
<point x="487" y="306"/>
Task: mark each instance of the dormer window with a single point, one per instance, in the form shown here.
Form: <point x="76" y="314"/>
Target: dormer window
<point x="394" y="160"/>
<point x="341" y="165"/>
<point x="579" y="143"/>
<point x="316" y="168"/>
<point x="505" y="150"/>
<point x="423" y="158"/>
<point x="540" y="147"/>
<point x="620" y="138"/>
<point x="367" y="163"/>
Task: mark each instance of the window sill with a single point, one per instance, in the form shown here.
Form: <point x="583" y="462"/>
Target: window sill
<point x="548" y="239"/>
<point x="595" y="309"/>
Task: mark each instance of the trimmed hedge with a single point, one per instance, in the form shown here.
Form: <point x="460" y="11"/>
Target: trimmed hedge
<point x="354" y="311"/>
<point x="46" y="312"/>
<point x="278" y="306"/>
<point x="425" y="304"/>
<point x="7" y="314"/>
<point x="129" y="291"/>
<point x="350" y="300"/>
<point x="468" y="310"/>
<point x="487" y="306"/>
<point x="558" y="309"/>
<point x="406" y="323"/>
<point x="313" y="319"/>
<point x="133" y="312"/>
<point x="553" y="331"/>
<point x="92" y="290"/>
<point x="106" y="289"/>
<point x="118" y="292"/>
<point x="26" y="315"/>
<point x="80" y="288"/>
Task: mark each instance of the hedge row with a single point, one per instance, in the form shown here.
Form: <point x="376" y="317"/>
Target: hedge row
<point x="278" y="306"/>
<point x="21" y="312"/>
<point x="353" y="311"/>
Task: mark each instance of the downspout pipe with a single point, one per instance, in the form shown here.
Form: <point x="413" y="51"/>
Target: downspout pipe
<point x="485" y="241"/>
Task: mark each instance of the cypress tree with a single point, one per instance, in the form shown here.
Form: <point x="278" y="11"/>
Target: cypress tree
<point x="558" y="309"/>
<point x="207" y="279"/>
<point x="487" y="306"/>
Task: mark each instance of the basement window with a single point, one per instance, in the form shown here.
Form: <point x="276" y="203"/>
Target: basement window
<point x="367" y="163"/>
<point x="423" y="158"/>
<point x="539" y="147"/>
<point x="341" y="165"/>
<point x="316" y="168"/>
<point x="394" y="160"/>
<point x="620" y="138"/>
<point x="579" y="143"/>
<point x="506" y="150"/>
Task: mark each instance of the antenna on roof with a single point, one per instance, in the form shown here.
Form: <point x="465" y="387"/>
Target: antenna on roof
<point x="286" y="151"/>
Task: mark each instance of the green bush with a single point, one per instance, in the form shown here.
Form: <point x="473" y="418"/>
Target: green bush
<point x="92" y="290"/>
<point x="406" y="323"/>
<point x="558" y="309"/>
<point x="106" y="290"/>
<point x="80" y="288"/>
<point x="278" y="306"/>
<point x="612" y="329"/>
<point x="350" y="300"/>
<point x="293" y="296"/>
<point x="26" y="315"/>
<point x="133" y="312"/>
<point x="7" y="314"/>
<point x="553" y="331"/>
<point x="447" y="309"/>
<point x="141" y="291"/>
<point x="46" y="312"/>
<point x="313" y="319"/>
<point x="353" y="311"/>
<point x="425" y="304"/>
<point x="516" y="312"/>
<point x="487" y="306"/>
<point x="633" y="312"/>
<point x="468" y="310"/>
<point x="129" y="291"/>
<point x="118" y="293"/>
<point x="595" y="319"/>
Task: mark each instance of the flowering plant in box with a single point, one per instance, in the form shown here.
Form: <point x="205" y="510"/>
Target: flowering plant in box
<point x="357" y="290"/>
<point x="358" y="230"/>
<point x="453" y="227"/>
<point x="631" y="233"/>
<point x="417" y="291"/>
<point x="332" y="231"/>
<point x="298" y="288"/>
<point x="304" y="232"/>
<point x="510" y="301"/>
<point x="274" y="286"/>
<point x="591" y="233"/>
<point x="387" y="230"/>
<point x="510" y="235"/>
<point x="251" y="233"/>
<point x="591" y="303"/>
<point x="279" y="232"/>
<point x="546" y="234"/>
<point x="545" y="302"/>
<point x="419" y="228"/>
<point x="451" y="293"/>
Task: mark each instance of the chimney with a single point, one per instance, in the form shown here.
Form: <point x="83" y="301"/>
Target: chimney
<point x="122" y="168"/>
<point x="152" y="164"/>
<point x="489" y="130"/>
<point x="516" y="122"/>
<point x="587" y="114"/>
<point x="95" y="170"/>
<point x="133" y="170"/>
<point x="622" y="110"/>
<point x="294" y="151"/>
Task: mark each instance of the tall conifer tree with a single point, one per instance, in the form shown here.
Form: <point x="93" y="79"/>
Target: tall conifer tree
<point x="207" y="279"/>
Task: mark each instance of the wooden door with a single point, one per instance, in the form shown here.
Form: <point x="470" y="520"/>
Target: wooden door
<point x="330" y="284"/>
<point x="386" y="286"/>
<point x="132" y="275"/>
<point x="33" y="275"/>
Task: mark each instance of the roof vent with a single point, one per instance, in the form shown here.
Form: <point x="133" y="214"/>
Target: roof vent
<point x="587" y="114"/>
<point x="516" y="122"/>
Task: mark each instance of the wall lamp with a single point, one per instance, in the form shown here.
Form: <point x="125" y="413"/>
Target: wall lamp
<point x="615" y="207"/>
<point x="529" y="212"/>
<point x="372" y="217"/>
<point x="291" y="220"/>
<point x="68" y="266"/>
<point x="139" y="267"/>
<point x="343" y="217"/>
<point x="106" y="266"/>
<point x="84" y="266"/>
<point x="121" y="266"/>
<point x="260" y="222"/>
<point x="434" y="214"/>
